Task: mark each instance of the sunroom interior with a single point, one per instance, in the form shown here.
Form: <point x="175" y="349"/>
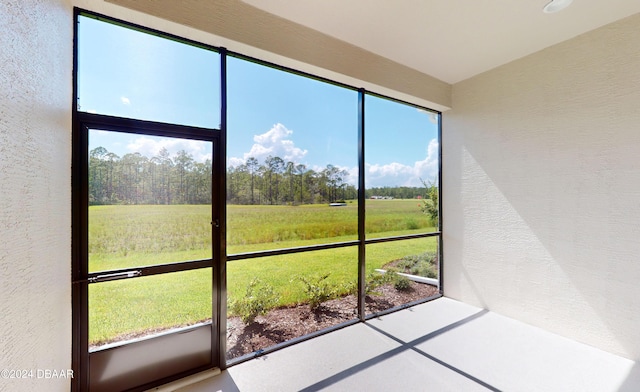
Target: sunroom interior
<point x="539" y="185"/>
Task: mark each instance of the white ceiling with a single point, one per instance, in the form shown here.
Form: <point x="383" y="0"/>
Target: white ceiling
<point x="450" y="40"/>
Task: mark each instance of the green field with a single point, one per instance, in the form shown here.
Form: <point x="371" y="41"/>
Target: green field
<point x="131" y="236"/>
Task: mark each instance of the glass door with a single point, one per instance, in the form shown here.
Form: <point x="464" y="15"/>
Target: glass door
<point x="148" y="267"/>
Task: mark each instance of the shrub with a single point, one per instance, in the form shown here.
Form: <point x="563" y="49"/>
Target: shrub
<point x="426" y="270"/>
<point x="317" y="289"/>
<point x="375" y="280"/>
<point x="258" y="300"/>
<point x="430" y="202"/>
<point x="399" y="282"/>
<point x="424" y="264"/>
<point x="349" y="288"/>
<point x="402" y="283"/>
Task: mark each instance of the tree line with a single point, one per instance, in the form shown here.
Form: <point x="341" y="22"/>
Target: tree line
<point x="180" y="179"/>
<point x="396" y="192"/>
<point x="276" y="181"/>
<point x="137" y="179"/>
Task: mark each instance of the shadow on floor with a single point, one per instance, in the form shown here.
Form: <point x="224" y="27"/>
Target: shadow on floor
<point x="404" y="346"/>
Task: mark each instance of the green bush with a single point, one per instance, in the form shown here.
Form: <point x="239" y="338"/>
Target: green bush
<point x="430" y="203"/>
<point x="317" y="289"/>
<point x="425" y="270"/>
<point x="424" y="264"/>
<point x="391" y="277"/>
<point x="399" y="282"/>
<point x="258" y="300"/>
<point x="375" y="280"/>
<point x="349" y="288"/>
<point x="402" y="283"/>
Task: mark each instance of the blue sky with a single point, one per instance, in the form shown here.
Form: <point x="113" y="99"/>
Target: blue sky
<point x="270" y="112"/>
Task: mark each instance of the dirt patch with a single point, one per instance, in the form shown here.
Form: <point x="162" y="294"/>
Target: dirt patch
<point x="282" y="324"/>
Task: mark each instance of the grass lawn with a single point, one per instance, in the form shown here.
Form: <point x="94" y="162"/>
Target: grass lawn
<point x="129" y="236"/>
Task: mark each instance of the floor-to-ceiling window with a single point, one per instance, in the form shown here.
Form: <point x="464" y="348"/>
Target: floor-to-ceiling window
<point x="146" y="139"/>
<point x="225" y="207"/>
<point x="402" y="165"/>
<point x="292" y="158"/>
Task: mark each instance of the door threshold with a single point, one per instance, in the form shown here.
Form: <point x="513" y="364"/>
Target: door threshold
<point x="183" y="382"/>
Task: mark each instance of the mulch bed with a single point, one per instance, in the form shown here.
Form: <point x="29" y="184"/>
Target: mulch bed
<point x="282" y="324"/>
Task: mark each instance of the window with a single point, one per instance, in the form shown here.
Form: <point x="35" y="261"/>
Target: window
<point x="225" y="207"/>
<point x="148" y="204"/>
<point x="133" y="74"/>
<point x="146" y="239"/>
<point x="292" y="141"/>
<point x="402" y="161"/>
<point x="291" y="183"/>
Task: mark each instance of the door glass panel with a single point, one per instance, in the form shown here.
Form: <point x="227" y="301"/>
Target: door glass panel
<point x="136" y="308"/>
<point x="149" y="200"/>
<point x="416" y="260"/>
<point x="401" y="154"/>
<point x="128" y="73"/>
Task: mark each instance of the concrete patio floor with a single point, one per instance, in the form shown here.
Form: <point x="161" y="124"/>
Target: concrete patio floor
<point x="442" y="345"/>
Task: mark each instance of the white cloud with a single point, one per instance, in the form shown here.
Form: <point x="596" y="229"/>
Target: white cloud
<point x="352" y="177"/>
<point x="397" y="174"/>
<point x="125" y="100"/>
<point x="151" y="147"/>
<point x="233" y="161"/>
<point x="274" y="142"/>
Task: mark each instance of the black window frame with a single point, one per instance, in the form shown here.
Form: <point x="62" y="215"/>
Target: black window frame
<point x="80" y="273"/>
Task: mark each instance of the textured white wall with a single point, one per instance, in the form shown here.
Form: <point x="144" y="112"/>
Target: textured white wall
<point x="35" y="190"/>
<point x="542" y="178"/>
<point x="542" y="189"/>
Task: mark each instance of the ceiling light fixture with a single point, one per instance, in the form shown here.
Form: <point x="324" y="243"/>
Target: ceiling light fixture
<point x="556" y="5"/>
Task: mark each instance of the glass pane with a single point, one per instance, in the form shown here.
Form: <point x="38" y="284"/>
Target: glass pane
<point x="401" y="154"/>
<point x="149" y="200"/>
<point x="299" y="293"/>
<point x="416" y="259"/>
<point x="292" y="160"/>
<point x="140" y="307"/>
<point x="127" y="73"/>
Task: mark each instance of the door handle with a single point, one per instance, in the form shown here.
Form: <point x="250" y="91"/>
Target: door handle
<point x="116" y="276"/>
